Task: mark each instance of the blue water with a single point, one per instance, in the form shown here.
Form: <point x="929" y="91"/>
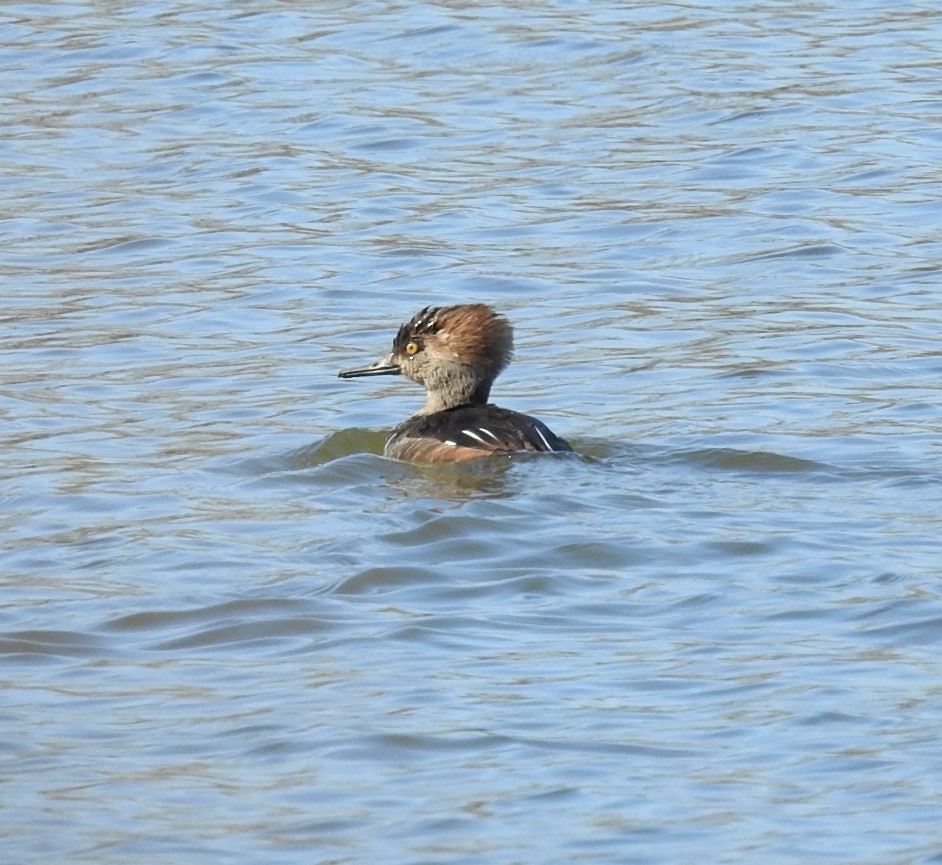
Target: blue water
<point x="231" y="631"/>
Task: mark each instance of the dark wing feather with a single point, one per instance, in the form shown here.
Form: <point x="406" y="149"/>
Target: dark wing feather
<point x="482" y="429"/>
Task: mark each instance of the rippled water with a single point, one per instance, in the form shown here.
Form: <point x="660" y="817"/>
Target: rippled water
<point x="233" y="632"/>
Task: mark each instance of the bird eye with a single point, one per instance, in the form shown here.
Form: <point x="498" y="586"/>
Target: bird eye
<point x="412" y="348"/>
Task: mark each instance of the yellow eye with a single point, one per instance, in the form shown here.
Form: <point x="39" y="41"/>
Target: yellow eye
<point x="412" y="348"/>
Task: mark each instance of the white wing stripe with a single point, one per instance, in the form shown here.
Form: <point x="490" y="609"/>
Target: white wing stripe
<point x="472" y="434"/>
<point x="539" y="432"/>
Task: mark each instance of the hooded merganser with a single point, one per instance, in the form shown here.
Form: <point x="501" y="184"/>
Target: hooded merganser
<point x="456" y="352"/>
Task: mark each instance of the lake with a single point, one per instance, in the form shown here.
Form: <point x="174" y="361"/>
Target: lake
<point x="232" y="631"/>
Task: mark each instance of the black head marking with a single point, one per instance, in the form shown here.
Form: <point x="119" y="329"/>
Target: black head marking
<point x="423" y="323"/>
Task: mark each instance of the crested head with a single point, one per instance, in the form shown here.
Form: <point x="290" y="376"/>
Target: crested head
<point x="471" y="333"/>
<point x="455" y="351"/>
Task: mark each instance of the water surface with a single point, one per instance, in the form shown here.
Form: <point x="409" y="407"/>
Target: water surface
<point x="233" y="632"/>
